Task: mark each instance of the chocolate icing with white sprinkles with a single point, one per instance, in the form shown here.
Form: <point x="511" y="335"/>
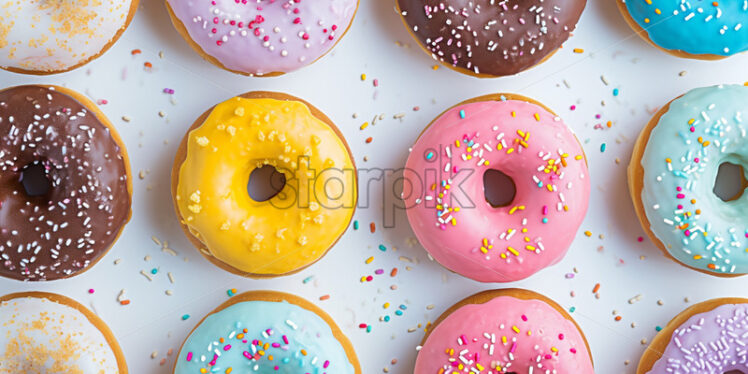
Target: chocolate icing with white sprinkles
<point x="61" y="230"/>
<point x="491" y="37"/>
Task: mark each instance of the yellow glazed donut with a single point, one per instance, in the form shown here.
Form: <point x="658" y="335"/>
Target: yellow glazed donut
<point x="54" y="36"/>
<point x="294" y="228"/>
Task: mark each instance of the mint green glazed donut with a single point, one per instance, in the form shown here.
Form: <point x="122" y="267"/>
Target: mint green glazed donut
<point x="675" y="178"/>
<point x="266" y="332"/>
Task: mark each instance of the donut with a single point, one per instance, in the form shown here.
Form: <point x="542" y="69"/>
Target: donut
<point x="672" y="174"/>
<point x="446" y="195"/>
<point x="707" y="338"/>
<point x="48" y="37"/>
<point x="504" y="331"/>
<point x="489" y="38"/>
<point x="267" y="332"/>
<point x="704" y="30"/>
<point x="81" y="200"/>
<point x="49" y="333"/>
<point x="294" y="228"/>
<point x="262" y="37"/>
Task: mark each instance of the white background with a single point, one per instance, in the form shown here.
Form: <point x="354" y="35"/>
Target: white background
<point x="378" y="45"/>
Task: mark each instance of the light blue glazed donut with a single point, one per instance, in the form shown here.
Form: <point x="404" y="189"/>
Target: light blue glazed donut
<point x="700" y="130"/>
<point x="697" y="27"/>
<point x="263" y="337"/>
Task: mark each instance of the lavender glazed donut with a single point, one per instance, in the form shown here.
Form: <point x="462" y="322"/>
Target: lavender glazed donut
<point x="447" y="200"/>
<point x="262" y="37"/>
<point x="707" y="338"/>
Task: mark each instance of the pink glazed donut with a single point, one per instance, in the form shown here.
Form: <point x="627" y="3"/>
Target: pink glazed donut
<point x="504" y="331"/>
<point x="262" y="37"/>
<point x="446" y="200"/>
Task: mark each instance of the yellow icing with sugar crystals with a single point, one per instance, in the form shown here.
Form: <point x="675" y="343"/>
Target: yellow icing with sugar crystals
<point x="295" y="227"/>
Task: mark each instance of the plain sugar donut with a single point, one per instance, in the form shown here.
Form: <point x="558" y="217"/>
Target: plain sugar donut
<point x="47" y="37"/>
<point x="50" y="333"/>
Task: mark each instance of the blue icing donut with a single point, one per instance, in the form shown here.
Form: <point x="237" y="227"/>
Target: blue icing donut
<point x="700" y="130"/>
<point x="697" y="27"/>
<point x="263" y="337"/>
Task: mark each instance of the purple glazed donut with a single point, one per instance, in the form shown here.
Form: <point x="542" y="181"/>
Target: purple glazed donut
<point x="262" y="37"/>
<point x="707" y="338"/>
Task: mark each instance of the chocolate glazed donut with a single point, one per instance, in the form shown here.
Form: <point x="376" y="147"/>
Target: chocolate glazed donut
<point x="65" y="189"/>
<point x="491" y="38"/>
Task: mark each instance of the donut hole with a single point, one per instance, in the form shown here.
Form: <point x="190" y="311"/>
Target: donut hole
<point x="265" y="183"/>
<point x="34" y="180"/>
<point x="730" y="182"/>
<point x="734" y="372"/>
<point x="499" y="188"/>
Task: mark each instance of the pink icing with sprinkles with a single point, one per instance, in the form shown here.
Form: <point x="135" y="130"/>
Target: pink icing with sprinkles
<point x="505" y="335"/>
<point x="528" y="144"/>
